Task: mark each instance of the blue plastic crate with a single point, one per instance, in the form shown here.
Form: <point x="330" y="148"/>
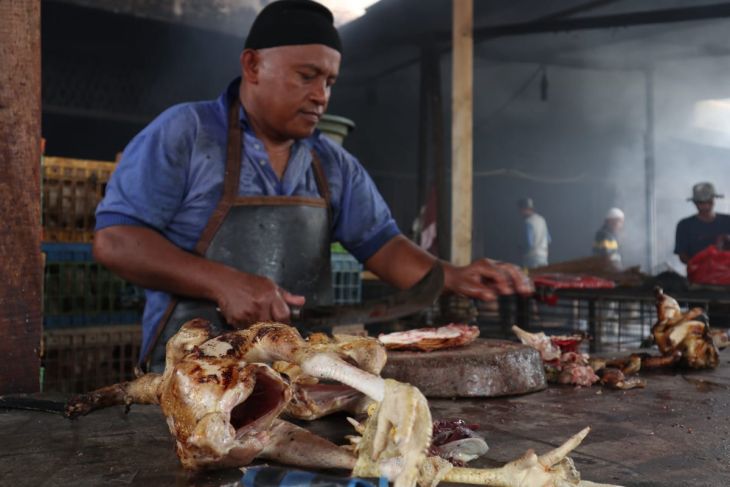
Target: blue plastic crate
<point x="67" y="252"/>
<point x="346" y="279"/>
<point x="80" y="292"/>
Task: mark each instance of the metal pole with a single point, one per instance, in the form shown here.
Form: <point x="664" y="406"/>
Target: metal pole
<point x="650" y="172"/>
<point x="423" y="134"/>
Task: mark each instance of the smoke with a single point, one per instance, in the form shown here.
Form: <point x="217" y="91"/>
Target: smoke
<point x="575" y="143"/>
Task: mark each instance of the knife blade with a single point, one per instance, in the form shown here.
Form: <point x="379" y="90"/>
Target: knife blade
<point x="32" y="404"/>
<point x="409" y="301"/>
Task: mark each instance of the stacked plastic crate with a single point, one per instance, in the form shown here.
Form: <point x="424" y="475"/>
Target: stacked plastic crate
<point x="91" y="316"/>
<point x="346" y="272"/>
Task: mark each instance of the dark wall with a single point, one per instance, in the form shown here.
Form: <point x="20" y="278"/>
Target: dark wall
<point x="106" y="75"/>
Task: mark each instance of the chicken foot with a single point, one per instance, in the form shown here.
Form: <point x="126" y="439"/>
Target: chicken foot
<point x="553" y="469"/>
<point x="143" y="390"/>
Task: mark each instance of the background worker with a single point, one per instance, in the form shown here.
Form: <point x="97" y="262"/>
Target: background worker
<point x="697" y="232"/>
<point x="536" y="237"/>
<point x="606" y="240"/>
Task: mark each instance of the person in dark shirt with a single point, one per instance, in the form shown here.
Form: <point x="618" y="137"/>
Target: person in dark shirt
<point x="697" y="232"/>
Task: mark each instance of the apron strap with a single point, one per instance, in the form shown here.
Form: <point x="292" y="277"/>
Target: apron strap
<point x="322" y="185"/>
<point x="230" y="179"/>
<point x="230" y="191"/>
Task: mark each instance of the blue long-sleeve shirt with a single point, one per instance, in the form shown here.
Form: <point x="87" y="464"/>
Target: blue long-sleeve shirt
<point x="170" y="179"/>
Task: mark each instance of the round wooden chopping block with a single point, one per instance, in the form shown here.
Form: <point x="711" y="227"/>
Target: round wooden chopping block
<point x="484" y="368"/>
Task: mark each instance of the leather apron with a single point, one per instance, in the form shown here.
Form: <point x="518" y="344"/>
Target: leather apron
<point x="284" y="238"/>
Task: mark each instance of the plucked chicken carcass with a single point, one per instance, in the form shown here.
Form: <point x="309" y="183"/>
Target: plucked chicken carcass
<point x="223" y="402"/>
<point x="684" y="339"/>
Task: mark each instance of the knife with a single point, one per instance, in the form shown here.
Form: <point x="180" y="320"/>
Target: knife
<point x="420" y="296"/>
<point x="18" y="401"/>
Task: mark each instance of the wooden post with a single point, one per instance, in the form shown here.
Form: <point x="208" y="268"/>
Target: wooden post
<point x="424" y="112"/>
<point x="461" y="132"/>
<point x="20" y="221"/>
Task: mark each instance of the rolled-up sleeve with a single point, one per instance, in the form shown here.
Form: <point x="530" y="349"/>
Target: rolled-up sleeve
<point x="362" y="220"/>
<point x="148" y="184"/>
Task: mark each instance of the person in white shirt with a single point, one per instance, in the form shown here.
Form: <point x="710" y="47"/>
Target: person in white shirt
<point x="537" y="236"/>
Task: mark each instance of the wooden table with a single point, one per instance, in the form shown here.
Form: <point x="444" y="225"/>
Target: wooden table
<point x="676" y="432"/>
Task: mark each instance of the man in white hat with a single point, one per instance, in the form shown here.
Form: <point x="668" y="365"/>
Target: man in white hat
<point x="697" y="232"/>
<point x="606" y="240"/>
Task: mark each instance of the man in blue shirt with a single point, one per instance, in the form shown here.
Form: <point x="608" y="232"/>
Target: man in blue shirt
<point x="230" y="204"/>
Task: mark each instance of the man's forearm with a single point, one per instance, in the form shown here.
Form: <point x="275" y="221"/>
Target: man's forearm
<point x="400" y="262"/>
<point x="144" y="257"/>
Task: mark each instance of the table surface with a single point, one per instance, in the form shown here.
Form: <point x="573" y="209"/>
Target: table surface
<point x="676" y="432"/>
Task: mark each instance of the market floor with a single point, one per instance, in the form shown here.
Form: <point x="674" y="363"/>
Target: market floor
<point x="676" y="432"/>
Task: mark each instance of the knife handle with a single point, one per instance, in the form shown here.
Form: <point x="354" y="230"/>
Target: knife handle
<point x="296" y="312"/>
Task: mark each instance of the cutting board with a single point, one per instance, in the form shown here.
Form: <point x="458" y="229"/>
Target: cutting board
<point x="484" y="368"/>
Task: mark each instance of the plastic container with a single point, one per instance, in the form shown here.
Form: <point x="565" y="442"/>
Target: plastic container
<point x="78" y="291"/>
<point x="72" y="188"/>
<point x="346" y="279"/>
<point x="336" y="127"/>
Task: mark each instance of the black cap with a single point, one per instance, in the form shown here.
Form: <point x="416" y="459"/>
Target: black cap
<point x="291" y="23"/>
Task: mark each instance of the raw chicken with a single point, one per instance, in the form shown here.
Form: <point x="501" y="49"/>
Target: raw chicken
<point x="430" y="339"/>
<point x="554" y="469"/>
<point x="457" y="442"/>
<point x="540" y="342"/>
<point x="575" y="368"/>
<point x="563" y="368"/>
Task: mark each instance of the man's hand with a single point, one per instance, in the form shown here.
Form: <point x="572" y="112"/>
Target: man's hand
<point x="146" y="258"/>
<point x="401" y="263"/>
<point x="486" y="279"/>
<point x="244" y="299"/>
